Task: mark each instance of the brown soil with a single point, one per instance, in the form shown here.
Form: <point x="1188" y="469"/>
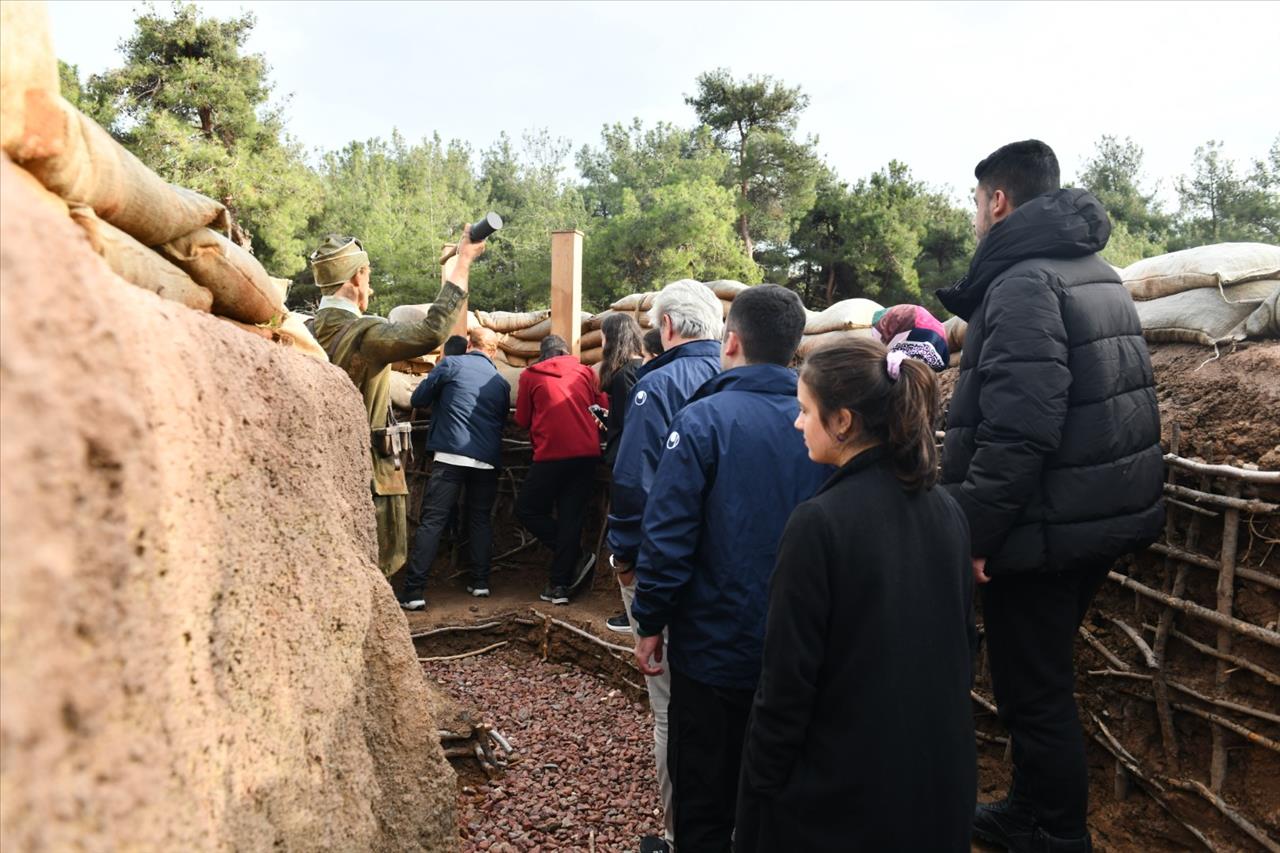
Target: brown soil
<point x="198" y="651"/>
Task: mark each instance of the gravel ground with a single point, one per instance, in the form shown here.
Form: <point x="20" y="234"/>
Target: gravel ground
<point x="584" y="775"/>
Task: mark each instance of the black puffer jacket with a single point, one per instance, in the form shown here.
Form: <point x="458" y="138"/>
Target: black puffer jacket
<point x="1053" y="435"/>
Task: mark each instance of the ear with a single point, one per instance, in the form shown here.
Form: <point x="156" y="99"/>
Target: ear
<point x="846" y="425"/>
<point x="732" y="345"/>
<point x="1001" y="205"/>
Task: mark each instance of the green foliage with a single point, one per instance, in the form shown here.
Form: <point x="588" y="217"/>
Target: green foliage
<point x="1219" y="205"/>
<point x="192" y="105"/>
<point x="1114" y="175"/>
<point x="1124" y="247"/>
<point x="93" y="103"/>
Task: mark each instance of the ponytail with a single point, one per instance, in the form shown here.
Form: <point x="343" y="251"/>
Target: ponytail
<point x="895" y="401"/>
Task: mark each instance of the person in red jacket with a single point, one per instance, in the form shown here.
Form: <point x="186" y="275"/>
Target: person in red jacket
<point x="552" y="403"/>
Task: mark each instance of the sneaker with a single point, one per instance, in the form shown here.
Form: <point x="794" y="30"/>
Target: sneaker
<point x="586" y="563"/>
<point x="653" y="844"/>
<point x="1004" y="823"/>
<point x="619" y="623"/>
<point x="413" y="604"/>
<point x="478" y="591"/>
<point x="555" y="594"/>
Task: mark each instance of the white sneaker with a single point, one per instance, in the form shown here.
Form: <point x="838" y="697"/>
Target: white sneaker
<point x="478" y="591"/>
<point x="413" y="604"/>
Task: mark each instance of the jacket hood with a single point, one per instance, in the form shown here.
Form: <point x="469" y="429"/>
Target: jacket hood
<point x="752" y="378"/>
<point x="560" y="366"/>
<point x="1067" y="223"/>
<point x="691" y="349"/>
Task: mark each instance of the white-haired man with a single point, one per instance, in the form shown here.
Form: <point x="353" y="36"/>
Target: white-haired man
<point x="690" y="319"/>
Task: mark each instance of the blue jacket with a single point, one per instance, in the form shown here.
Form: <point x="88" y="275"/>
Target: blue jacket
<point x="469" y="402"/>
<point x="662" y="387"/>
<point x="733" y="469"/>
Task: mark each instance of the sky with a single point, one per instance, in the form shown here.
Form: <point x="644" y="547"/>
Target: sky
<point x="935" y="85"/>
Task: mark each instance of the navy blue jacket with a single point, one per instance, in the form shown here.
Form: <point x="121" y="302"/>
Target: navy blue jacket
<point x="469" y="401"/>
<point x="733" y="468"/>
<point x="662" y="388"/>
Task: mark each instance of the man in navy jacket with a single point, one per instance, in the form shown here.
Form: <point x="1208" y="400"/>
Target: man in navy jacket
<point x="732" y="470"/>
<point x="469" y="401"/>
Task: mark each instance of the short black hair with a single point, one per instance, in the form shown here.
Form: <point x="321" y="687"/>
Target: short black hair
<point x="1023" y="170"/>
<point x="653" y="342"/>
<point x="769" y="320"/>
<point x="456" y="345"/>
<point x="552" y="346"/>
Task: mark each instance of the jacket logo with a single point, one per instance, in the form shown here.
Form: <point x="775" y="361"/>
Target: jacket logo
<point x="641" y="396"/>
<point x="672" y="440"/>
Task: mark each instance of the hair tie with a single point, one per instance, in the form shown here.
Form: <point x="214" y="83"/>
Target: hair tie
<point x="893" y="363"/>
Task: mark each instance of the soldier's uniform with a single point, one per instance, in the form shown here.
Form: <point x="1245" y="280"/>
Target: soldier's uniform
<point x="365" y="347"/>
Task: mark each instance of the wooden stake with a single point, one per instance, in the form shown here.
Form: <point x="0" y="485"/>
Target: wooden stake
<point x="566" y="287"/>
<point x="1245" y="629"/>
<point x="1226" y="601"/>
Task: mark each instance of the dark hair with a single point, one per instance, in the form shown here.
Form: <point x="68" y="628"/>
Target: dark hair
<point x="456" y="345"/>
<point x="552" y="346"/>
<point x="853" y="374"/>
<point x="769" y="320"/>
<point x="653" y="342"/>
<point x="621" y="345"/>
<point x="1023" y="170"/>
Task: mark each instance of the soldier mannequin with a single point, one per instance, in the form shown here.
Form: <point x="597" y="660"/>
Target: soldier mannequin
<point x="365" y="347"/>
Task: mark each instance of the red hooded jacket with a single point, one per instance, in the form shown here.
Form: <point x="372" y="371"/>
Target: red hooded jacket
<point x="552" y="402"/>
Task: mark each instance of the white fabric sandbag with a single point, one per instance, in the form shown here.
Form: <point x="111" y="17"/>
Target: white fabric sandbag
<point x="809" y="343"/>
<point x="1204" y="316"/>
<point x="402" y="387"/>
<point x="1218" y="265"/>
<point x="845" y="314"/>
<point x="955" y="328"/>
<point x="726" y="288"/>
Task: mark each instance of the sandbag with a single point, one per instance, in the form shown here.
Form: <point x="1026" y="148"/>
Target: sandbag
<point x="635" y="302"/>
<point x="418" y="313"/>
<point x="294" y="333"/>
<point x="505" y="322"/>
<point x="137" y="264"/>
<point x="513" y="360"/>
<point x="402" y="387"/>
<point x="512" y="375"/>
<point x="592" y="356"/>
<point x="955" y="328"/>
<point x="1218" y="265"/>
<point x="1264" y="322"/>
<point x="514" y="346"/>
<point x="28" y="75"/>
<point x="91" y="168"/>
<point x="845" y="314"/>
<point x="47" y="199"/>
<point x="536" y="332"/>
<point x="241" y="288"/>
<point x="725" y="306"/>
<point x="809" y="343"/>
<point x="727" y="289"/>
<point x="595" y="321"/>
<point x="591" y="340"/>
<point x="282" y="286"/>
<point x="1208" y="315"/>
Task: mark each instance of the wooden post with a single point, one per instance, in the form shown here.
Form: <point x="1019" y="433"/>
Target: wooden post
<point x="1226" y="601"/>
<point x="446" y="270"/>
<point x="566" y="287"/>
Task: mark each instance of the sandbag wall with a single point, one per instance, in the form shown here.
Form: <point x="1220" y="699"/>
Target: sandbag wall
<point x="158" y="236"/>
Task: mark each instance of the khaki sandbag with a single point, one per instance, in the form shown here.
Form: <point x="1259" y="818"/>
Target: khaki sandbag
<point x="595" y="321"/>
<point x="294" y="333"/>
<point x="92" y="168"/>
<point x="513" y="360"/>
<point x="845" y="314"/>
<point x="1204" y="316"/>
<point x="955" y="328"/>
<point x="635" y="302"/>
<point x="1264" y="322"/>
<point x="514" y="346"/>
<point x="402" y="387"/>
<point x="512" y="375"/>
<point x="591" y="340"/>
<point x="241" y="288"/>
<point x="282" y="286"/>
<point x="725" y="306"/>
<point x="28" y="75"/>
<point x="809" y="343"/>
<point x="536" y="332"/>
<point x="46" y="198"/>
<point x="137" y="264"/>
<point x="505" y="322"/>
<point x="592" y="356"/>
<point x="726" y="288"/>
<point x="1218" y="265"/>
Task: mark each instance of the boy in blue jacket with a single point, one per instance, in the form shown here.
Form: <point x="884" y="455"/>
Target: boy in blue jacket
<point x="732" y="470"/>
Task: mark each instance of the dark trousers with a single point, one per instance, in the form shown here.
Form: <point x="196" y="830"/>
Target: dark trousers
<point x="446" y="482"/>
<point x="562" y="485"/>
<point x="1031" y="622"/>
<point x="704" y="756"/>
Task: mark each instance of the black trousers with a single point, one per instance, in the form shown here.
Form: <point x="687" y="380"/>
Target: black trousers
<point x="707" y="727"/>
<point x="562" y="486"/>
<point x="1031" y="622"/>
<point x="446" y="482"/>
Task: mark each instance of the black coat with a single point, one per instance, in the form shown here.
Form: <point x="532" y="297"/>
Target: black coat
<point x="1053" y="435"/>
<point x="619" y="392"/>
<point x="861" y="733"/>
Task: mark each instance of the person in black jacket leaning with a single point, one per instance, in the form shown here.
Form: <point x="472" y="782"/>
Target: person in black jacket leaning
<point x="1053" y="453"/>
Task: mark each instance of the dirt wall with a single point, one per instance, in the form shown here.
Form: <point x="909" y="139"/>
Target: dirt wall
<point x="198" y="651"/>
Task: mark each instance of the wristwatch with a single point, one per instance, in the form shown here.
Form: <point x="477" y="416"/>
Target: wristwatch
<point x="619" y="566"/>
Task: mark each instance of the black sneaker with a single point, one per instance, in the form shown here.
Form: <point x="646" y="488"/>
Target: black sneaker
<point x="1006" y="824"/>
<point x="653" y="844"/>
<point x="413" y="603"/>
<point x="586" y="563"/>
<point x="619" y="623"/>
<point x="555" y="594"/>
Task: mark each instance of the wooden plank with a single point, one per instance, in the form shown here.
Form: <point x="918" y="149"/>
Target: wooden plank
<point x="566" y="287"/>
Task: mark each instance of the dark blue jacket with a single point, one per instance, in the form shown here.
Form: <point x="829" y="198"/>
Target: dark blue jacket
<point x="469" y="401"/>
<point x="662" y="387"/>
<point x="733" y="468"/>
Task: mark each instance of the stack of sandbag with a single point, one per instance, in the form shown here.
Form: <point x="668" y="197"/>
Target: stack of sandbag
<point x="153" y="234"/>
<point x="846" y="318"/>
<point x="1222" y="293"/>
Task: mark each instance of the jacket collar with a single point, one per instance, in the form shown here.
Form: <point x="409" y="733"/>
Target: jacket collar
<point x="752" y="378"/>
<point x="705" y="348"/>
<point x="861" y="462"/>
<point x="340" y="303"/>
<point x="1068" y="223"/>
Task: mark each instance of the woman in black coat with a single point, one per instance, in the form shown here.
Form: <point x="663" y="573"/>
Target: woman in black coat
<point x="621" y="343"/>
<point x="861" y="733"/>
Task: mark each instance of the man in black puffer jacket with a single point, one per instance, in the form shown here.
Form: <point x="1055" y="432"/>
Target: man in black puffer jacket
<point x="1053" y="452"/>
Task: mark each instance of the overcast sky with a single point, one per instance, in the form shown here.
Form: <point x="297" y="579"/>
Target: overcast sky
<point x="937" y="86"/>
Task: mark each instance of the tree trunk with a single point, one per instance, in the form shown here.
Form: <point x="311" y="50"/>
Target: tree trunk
<point x="206" y="122"/>
<point x="831" y="285"/>
<point x="743" y="186"/>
